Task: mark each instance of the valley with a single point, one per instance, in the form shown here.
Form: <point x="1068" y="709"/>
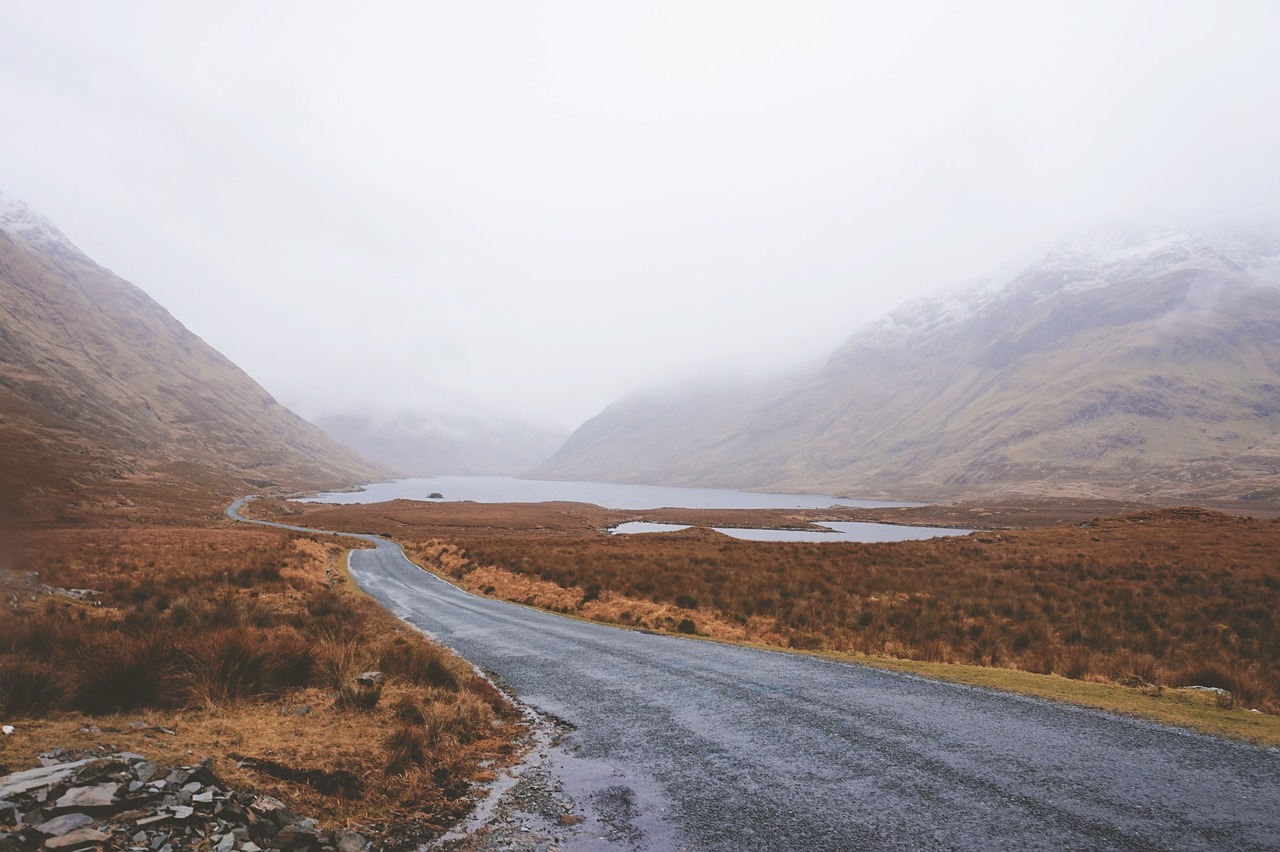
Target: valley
<point x="1088" y="451"/>
<point x="1151" y="599"/>
<point x="666" y="742"/>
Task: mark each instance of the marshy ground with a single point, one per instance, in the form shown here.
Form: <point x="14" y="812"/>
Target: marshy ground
<point x="1088" y="591"/>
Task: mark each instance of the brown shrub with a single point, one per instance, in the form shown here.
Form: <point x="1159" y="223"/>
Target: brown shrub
<point x="227" y="665"/>
<point x="118" y="672"/>
<point x="29" y="688"/>
<point x="406" y="746"/>
<point x="419" y="662"/>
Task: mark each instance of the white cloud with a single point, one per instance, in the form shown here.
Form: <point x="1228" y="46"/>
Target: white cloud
<point x="550" y="204"/>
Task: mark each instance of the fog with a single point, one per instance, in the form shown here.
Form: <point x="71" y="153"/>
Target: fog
<point x="546" y="206"/>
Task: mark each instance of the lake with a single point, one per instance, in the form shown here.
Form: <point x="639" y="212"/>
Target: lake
<point x="609" y="495"/>
<point x="613" y="495"/>
<point x="837" y="531"/>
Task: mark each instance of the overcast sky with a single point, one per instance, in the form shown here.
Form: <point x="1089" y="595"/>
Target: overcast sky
<point x="547" y="205"/>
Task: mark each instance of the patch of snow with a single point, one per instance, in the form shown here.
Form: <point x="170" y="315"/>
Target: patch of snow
<point x="20" y="222"/>
<point x="1098" y="259"/>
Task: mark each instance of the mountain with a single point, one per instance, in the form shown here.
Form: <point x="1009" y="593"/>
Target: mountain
<point x="455" y="439"/>
<point x="99" y="383"/>
<point x="1139" y="363"/>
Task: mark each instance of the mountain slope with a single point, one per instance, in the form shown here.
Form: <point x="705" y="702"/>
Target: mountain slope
<point x="98" y="381"/>
<point x="1142" y="364"/>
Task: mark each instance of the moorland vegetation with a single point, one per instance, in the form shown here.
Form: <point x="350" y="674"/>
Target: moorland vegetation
<point x="242" y="645"/>
<point x="1158" y="598"/>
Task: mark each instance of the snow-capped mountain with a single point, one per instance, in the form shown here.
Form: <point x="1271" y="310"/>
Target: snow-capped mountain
<point x="1129" y="363"/>
<point x="1100" y="259"/>
<point x="20" y="222"/>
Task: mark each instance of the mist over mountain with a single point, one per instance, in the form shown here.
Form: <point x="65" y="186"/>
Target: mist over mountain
<point x="449" y="438"/>
<point x="99" y="382"/>
<point x="1136" y="363"/>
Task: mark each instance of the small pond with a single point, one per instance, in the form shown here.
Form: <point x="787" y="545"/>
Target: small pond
<point x="838" y="531"/>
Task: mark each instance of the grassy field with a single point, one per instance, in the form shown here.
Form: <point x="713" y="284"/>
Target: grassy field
<point x="240" y="644"/>
<point x="1148" y="601"/>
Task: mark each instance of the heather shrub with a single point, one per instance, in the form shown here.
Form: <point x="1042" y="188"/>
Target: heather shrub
<point x="117" y="672"/>
<point x="406" y="746"/>
<point x="28" y="688"/>
<point x="227" y="665"/>
<point x="420" y="663"/>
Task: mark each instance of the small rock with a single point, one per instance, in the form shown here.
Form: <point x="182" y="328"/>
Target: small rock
<point x="59" y="826"/>
<point x="95" y="796"/>
<point x="294" y="837"/>
<point x="266" y="805"/>
<point x="371" y="679"/>
<point x="34" y="779"/>
<point x="76" y="839"/>
<point x="570" y="819"/>
<point x="351" y="842"/>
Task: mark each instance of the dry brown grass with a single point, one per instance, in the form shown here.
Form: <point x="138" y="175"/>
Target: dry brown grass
<point x="1163" y="597"/>
<point x="224" y="634"/>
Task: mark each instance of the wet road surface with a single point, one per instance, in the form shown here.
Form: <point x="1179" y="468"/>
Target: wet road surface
<point x="686" y="744"/>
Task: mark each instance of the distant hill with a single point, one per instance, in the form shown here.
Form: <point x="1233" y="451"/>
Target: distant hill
<point x="1137" y="364"/>
<point x="98" y="382"/>
<point x="453" y="440"/>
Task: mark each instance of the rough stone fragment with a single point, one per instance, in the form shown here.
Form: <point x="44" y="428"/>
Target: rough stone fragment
<point x="59" y="826"/>
<point x="351" y="842"/>
<point x="77" y="839"/>
<point x="94" y="796"/>
<point x="18" y="783"/>
<point x="294" y="837"/>
<point x="153" y="819"/>
<point x="371" y="679"/>
<point x="144" y="771"/>
<point x="266" y="805"/>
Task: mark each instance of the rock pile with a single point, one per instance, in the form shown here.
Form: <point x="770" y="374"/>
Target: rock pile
<point x="124" y="801"/>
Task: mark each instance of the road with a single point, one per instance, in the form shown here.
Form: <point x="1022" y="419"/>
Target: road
<point x="681" y="743"/>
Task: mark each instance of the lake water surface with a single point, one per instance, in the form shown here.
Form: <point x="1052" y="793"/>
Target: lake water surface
<point x="613" y="495"/>
<point x="837" y="531"/>
<point x="609" y="495"/>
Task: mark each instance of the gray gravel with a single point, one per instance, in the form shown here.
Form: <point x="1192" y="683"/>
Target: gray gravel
<point x="678" y="743"/>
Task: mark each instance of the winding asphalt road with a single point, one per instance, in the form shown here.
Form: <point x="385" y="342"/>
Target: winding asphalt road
<point x="706" y="746"/>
